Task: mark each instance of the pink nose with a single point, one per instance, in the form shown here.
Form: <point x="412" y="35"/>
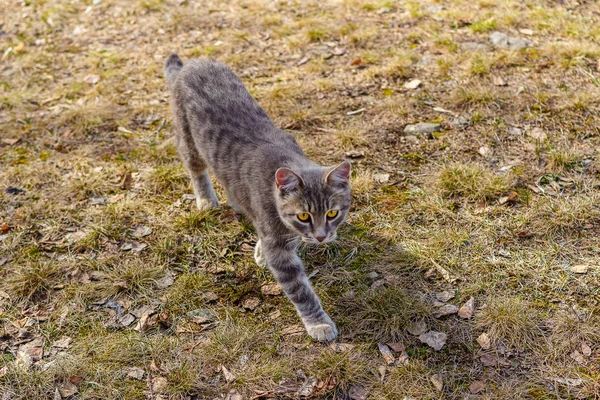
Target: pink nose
<point x="321" y="238"/>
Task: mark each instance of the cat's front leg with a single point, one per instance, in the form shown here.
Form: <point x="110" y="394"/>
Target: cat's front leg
<point x="288" y="270"/>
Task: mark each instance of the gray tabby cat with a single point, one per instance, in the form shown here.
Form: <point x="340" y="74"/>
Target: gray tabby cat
<point x="265" y="175"/>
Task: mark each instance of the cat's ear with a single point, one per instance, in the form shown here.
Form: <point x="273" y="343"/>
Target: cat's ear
<point x="287" y="180"/>
<point x="339" y="175"/>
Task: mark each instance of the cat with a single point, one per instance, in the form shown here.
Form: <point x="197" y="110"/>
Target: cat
<point x="266" y="176"/>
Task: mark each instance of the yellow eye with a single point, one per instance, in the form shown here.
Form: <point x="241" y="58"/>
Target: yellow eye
<point x="303" y="217"/>
<point x="332" y="213"/>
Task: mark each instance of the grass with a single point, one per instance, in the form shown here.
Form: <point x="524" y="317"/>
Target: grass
<point x="447" y="219"/>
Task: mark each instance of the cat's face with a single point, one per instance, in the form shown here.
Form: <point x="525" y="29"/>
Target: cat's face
<point x="313" y="203"/>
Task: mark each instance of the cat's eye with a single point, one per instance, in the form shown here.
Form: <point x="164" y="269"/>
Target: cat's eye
<point x="332" y="213"/>
<point x="303" y="217"/>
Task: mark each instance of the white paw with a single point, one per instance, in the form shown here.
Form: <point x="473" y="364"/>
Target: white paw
<point x="258" y="257"/>
<point x="205" y="204"/>
<point x="323" y="332"/>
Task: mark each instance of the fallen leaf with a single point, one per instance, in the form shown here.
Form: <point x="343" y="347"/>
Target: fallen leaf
<point x="417" y="328"/>
<point x="67" y="389"/>
<point x="569" y="381"/>
<point x="434" y="339"/>
<point x="63" y="343"/>
<point x="201" y="315"/>
<point x="476" y="387"/>
<point x="3" y="371"/>
<point x="580" y="269"/>
<point x="381" y="178"/>
<point x="484" y="151"/>
<point x="358" y="393"/>
<point x="484" y="341"/>
<point x="575" y="355"/>
<point x="144" y="315"/>
<point x="537" y="134"/>
<point x="293" y="330"/>
<point x="10" y="141"/>
<point x="271" y="290"/>
<point x="466" y="311"/>
<point x="76" y="380"/>
<point x="303" y="61"/>
<point x="159" y="384"/>
<point x="34" y="349"/>
<point x="437" y="381"/>
<point x="141" y="231"/>
<point x="415" y="83"/>
<point x="92" y="78"/>
<point x="19" y="47"/>
<point x="586" y="350"/>
<point x="251" y="303"/>
<point x="397" y="347"/>
<point x="234" y="395"/>
<point x="445" y="295"/>
<point x="403" y="358"/>
<point x="386" y="353"/>
<point x="354" y="154"/>
<point x="525" y="31"/>
<point x="447" y="309"/>
<point x="341" y="347"/>
<point x="356" y="62"/>
<point x="307" y="387"/>
<point x="499" y="81"/>
<point x="166" y="281"/>
<point x="229" y="377"/>
<point x="136" y="373"/>
<point x="488" y="360"/>
<point x="126" y="319"/>
<point x="338" y="51"/>
<point x="126" y="182"/>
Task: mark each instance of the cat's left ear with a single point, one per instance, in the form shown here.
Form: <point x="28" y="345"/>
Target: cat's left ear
<point x="339" y="175"/>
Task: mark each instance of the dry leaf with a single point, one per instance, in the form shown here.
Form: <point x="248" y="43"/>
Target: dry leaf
<point x="381" y="178"/>
<point x="3" y="371"/>
<point x="415" y="83"/>
<point x="499" y="81"/>
<point x="437" y="381"/>
<point x="356" y="62"/>
<point x="33" y="349"/>
<point x="76" y="380"/>
<point x="358" y="393"/>
<point x="159" y="384"/>
<point x="293" y="330"/>
<point x="525" y="31"/>
<point x="229" y="377"/>
<point x="354" y="154"/>
<point x="386" y="353"/>
<point x="434" y="339"/>
<point x="136" y="373"/>
<point x="10" y="141"/>
<point x="445" y="295"/>
<point x="417" y="328"/>
<point x="484" y="341"/>
<point x="569" y="381"/>
<point x="537" y="134"/>
<point x="484" y="151"/>
<point x="586" y="350"/>
<point x="92" y="78"/>
<point x="63" y="343"/>
<point x="341" y="347"/>
<point x="447" y="309"/>
<point x="397" y="347"/>
<point x="575" y="355"/>
<point x="303" y="61"/>
<point x="166" y="281"/>
<point x="476" y="387"/>
<point x="271" y="290"/>
<point x="67" y="389"/>
<point x="466" y="311"/>
<point x="251" y="303"/>
<point x="580" y="269"/>
<point x="488" y="360"/>
<point x="141" y="231"/>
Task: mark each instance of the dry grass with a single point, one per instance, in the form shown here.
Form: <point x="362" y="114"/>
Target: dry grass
<point x="86" y="137"/>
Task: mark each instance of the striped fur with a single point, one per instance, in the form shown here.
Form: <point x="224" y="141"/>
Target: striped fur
<point x="266" y="175"/>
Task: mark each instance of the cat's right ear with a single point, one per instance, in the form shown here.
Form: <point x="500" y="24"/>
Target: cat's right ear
<point x="287" y="180"/>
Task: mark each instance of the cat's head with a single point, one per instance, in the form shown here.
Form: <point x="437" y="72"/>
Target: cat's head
<point x="313" y="202"/>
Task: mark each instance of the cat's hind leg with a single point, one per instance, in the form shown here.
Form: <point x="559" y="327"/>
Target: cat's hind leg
<point x="196" y="167"/>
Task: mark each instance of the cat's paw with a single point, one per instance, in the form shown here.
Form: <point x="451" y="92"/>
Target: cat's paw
<point x="323" y="332"/>
<point x="258" y="256"/>
<point x="205" y="204"/>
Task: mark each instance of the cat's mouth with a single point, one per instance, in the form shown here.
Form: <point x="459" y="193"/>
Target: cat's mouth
<point x="312" y="240"/>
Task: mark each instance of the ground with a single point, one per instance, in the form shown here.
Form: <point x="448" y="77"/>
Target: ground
<point x="113" y="286"/>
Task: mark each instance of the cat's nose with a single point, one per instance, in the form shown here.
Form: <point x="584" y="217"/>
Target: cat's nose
<point x="321" y="238"/>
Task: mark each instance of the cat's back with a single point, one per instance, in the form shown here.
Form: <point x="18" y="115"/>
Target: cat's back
<point x="212" y="93"/>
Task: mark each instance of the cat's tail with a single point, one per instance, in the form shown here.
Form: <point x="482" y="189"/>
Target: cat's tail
<point x="172" y="68"/>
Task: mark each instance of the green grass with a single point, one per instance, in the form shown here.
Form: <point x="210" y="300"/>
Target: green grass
<point x="442" y="222"/>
